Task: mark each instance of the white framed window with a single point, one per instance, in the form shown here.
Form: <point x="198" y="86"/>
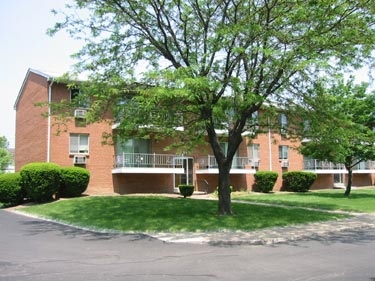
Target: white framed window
<point x="283" y="123"/>
<point x="253" y="150"/>
<point x="283" y="152"/>
<point x="79" y="144"/>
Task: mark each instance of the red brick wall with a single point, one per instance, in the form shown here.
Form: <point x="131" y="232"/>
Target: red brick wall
<point x="362" y="180"/>
<point x="142" y="183"/>
<point x="32" y="135"/>
<point x="323" y="181"/>
<point x="31" y="146"/>
<point x="31" y="127"/>
<point x="100" y="157"/>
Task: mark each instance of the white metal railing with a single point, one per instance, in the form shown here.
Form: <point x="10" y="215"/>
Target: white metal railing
<point x="146" y="160"/>
<point x="365" y="165"/>
<point x="209" y="162"/>
<point x="313" y="164"/>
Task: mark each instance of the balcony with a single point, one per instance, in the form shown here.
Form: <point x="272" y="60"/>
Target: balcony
<point x="326" y="167"/>
<point x="145" y="163"/>
<point x="241" y="165"/>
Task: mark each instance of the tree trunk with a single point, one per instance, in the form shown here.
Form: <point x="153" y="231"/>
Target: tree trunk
<point x="225" y="206"/>
<point x="349" y="184"/>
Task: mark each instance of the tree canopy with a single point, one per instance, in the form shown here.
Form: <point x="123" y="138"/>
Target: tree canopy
<point x="5" y="156"/>
<point x="339" y="124"/>
<point x="209" y="64"/>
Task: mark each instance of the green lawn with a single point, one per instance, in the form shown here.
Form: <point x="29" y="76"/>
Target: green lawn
<point x="162" y="214"/>
<point x="360" y="200"/>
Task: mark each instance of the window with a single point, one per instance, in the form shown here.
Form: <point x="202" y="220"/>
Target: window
<point x="283" y="122"/>
<point x="253" y="122"/>
<point x="133" y="146"/>
<point x="283" y="152"/>
<point x="74" y="93"/>
<point x="78" y="98"/>
<point x="253" y="151"/>
<point x="79" y="143"/>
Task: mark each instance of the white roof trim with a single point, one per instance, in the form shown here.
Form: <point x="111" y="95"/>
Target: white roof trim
<point x="30" y="70"/>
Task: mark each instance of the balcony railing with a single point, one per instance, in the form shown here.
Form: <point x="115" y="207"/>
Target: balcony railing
<point x="314" y="164"/>
<point x="209" y="162"/>
<point x="146" y="160"/>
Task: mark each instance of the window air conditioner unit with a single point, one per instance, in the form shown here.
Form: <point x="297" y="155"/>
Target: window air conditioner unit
<point x="80" y="113"/>
<point x="284" y="164"/>
<point x="255" y="164"/>
<point x="79" y="160"/>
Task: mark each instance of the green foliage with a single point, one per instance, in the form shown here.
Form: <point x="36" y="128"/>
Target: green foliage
<point x="211" y="63"/>
<point x="5" y="156"/>
<point x="162" y="214"/>
<point x="41" y="181"/>
<point x="186" y="189"/>
<point x="11" y="192"/>
<point x="298" y="181"/>
<point x="264" y="181"/>
<point x="340" y="121"/>
<point x="362" y="200"/>
<point x="74" y="181"/>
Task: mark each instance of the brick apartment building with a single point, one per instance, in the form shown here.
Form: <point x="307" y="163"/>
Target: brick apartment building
<point x="142" y="166"/>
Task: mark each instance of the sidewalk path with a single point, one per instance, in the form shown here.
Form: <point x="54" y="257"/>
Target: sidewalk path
<point x="273" y="235"/>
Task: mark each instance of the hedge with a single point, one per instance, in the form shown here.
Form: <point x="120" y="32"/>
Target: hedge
<point x="41" y="181"/>
<point x="298" y="181"/>
<point x="264" y="181"/>
<point x="186" y="190"/>
<point x="74" y="181"/>
<point x="11" y="193"/>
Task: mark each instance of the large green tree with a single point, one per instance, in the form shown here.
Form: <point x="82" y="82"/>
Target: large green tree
<point x="338" y="124"/>
<point x="211" y="64"/>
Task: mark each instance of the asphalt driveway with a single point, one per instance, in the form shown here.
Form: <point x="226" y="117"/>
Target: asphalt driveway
<point x="32" y="249"/>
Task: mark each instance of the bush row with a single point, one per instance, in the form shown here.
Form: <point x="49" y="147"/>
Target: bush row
<point x="296" y="181"/>
<point x="41" y="182"/>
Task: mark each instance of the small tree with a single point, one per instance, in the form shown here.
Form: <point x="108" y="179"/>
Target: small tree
<point x="339" y="124"/>
<point x="5" y="156"/>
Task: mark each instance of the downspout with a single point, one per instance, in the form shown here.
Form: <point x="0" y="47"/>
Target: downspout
<point x="49" y="121"/>
<point x="269" y="143"/>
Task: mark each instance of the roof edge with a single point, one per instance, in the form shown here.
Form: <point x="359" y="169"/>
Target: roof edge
<point x="35" y="71"/>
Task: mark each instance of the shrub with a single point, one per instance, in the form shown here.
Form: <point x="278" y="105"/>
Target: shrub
<point x="41" y="181"/>
<point x="298" y="181"/>
<point x="264" y="181"/>
<point x="11" y="192"/>
<point x="186" y="190"/>
<point x="74" y="181"/>
<point x="217" y="190"/>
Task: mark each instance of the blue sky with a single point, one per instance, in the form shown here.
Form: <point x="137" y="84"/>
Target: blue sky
<point x="24" y="44"/>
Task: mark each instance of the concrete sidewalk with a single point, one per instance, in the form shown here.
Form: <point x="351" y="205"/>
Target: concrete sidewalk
<point x="273" y="235"/>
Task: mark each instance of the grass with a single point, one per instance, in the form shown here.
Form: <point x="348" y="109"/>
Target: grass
<point x="162" y="214"/>
<point x="360" y="200"/>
